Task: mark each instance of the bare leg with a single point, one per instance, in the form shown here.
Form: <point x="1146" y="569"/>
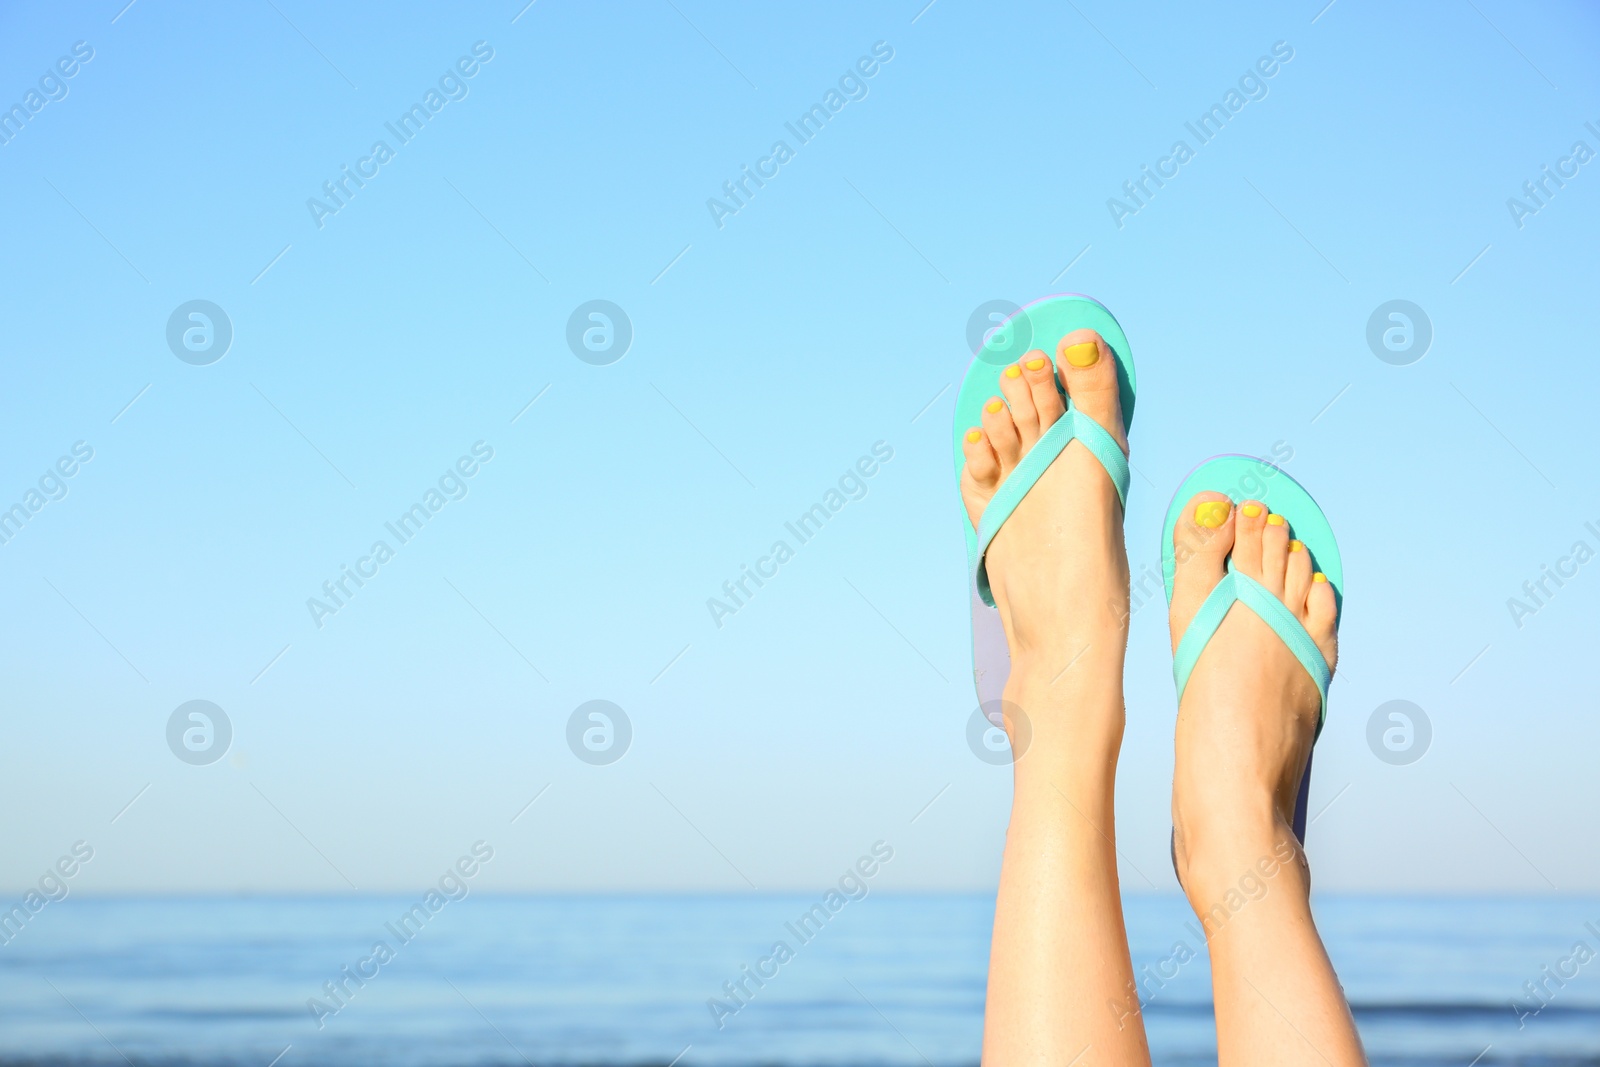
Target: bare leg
<point x="1245" y="727"/>
<point x="1060" y="980"/>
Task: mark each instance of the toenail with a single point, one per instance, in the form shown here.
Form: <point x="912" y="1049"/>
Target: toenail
<point x="1297" y="546"/>
<point x="1037" y="364"/>
<point x="1274" y="520"/>
<point x="1319" y="577"/>
<point x="974" y="436"/>
<point x="1084" y="355"/>
<point x="1211" y="514"/>
<point x="993" y="406"/>
<point x="1250" y="511"/>
<point x="1013" y="371"/>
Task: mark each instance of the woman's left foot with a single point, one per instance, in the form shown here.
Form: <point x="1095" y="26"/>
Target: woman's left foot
<point x="1249" y="712"/>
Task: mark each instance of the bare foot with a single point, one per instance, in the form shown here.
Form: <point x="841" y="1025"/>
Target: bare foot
<point x="1057" y="568"/>
<point x="1250" y="710"/>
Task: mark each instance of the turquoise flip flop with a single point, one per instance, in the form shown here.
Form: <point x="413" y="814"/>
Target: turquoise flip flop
<point x="1040" y="325"/>
<point x="1248" y="478"/>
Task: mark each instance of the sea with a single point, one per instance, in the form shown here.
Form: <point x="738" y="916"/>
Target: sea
<point x="561" y="981"/>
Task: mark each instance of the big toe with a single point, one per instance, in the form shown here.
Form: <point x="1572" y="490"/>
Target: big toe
<point x="1088" y="369"/>
<point x="1201" y="541"/>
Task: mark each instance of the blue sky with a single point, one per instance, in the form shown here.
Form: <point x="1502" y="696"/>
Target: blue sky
<point x="769" y="354"/>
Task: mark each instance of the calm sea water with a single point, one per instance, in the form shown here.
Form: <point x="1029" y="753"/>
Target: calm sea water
<point x="492" y="980"/>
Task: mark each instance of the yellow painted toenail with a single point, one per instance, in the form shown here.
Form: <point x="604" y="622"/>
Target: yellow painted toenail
<point x="1084" y="355"/>
<point x="1211" y="514"/>
<point x="1037" y="364"/>
<point x="1297" y="546"/>
<point x="1013" y="371"/>
<point x="1319" y="577"/>
<point x="974" y="436"/>
<point x="1250" y="511"/>
<point x="993" y="406"/>
<point x="1274" y="520"/>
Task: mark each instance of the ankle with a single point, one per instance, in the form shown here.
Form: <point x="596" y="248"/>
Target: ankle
<point x="1096" y="628"/>
<point x="1237" y="863"/>
<point x="1069" y="729"/>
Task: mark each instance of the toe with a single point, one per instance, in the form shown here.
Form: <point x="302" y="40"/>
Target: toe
<point x="1201" y="539"/>
<point x="1274" y="554"/>
<point x="1322" y="612"/>
<point x="1041" y="379"/>
<point x="1019" y="397"/>
<point x="983" y="466"/>
<point x="1089" y="374"/>
<point x="1247" y="537"/>
<point x="1002" y="433"/>
<point x="981" y="475"/>
<point x="1297" y="578"/>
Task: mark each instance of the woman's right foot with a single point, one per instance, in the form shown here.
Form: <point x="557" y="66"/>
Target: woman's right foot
<point x="1057" y="568"/>
<point x="1061" y="985"/>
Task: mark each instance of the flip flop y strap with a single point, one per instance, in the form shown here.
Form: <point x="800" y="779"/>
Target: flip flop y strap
<point x="1072" y="426"/>
<point x="1236" y="588"/>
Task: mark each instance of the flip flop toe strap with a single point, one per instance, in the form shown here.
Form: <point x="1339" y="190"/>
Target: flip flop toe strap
<point x="1242" y="589"/>
<point x="1106" y="450"/>
<point x="1069" y="427"/>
